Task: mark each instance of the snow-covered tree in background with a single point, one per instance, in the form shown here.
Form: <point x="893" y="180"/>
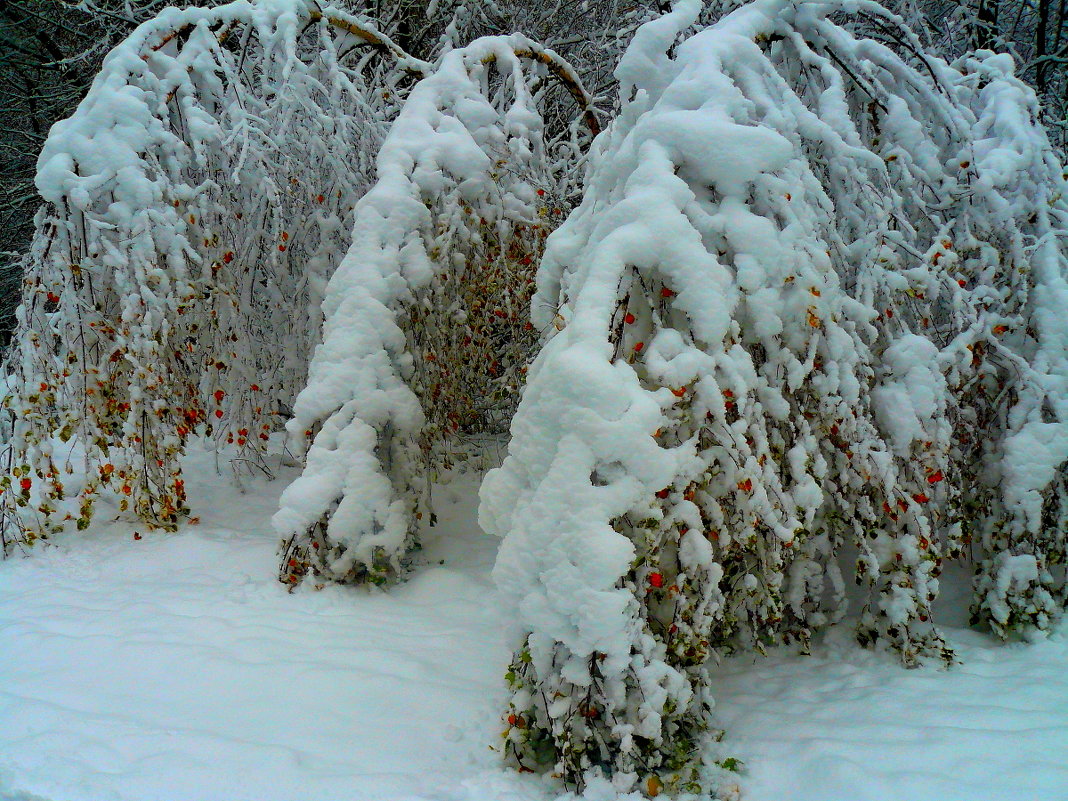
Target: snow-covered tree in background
<point x="812" y="302"/>
<point x="196" y="204"/>
<point x="427" y="332"/>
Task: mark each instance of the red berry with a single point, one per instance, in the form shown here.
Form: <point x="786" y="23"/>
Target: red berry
<point x="935" y="477"/>
<point x="629" y="318"/>
<point x="656" y="579"/>
<point x="541" y="193"/>
<point x="666" y="293"/>
<point x="638" y="346"/>
<point x="219" y="395"/>
<point x="26" y="483"/>
<point x="218" y="412"/>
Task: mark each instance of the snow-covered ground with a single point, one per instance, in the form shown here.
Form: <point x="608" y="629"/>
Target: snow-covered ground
<point x="175" y="667"/>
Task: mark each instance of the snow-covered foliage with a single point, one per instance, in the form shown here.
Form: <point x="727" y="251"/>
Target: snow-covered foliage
<point x="427" y="332"/>
<point x="813" y="303"/>
<point x="196" y="204"/>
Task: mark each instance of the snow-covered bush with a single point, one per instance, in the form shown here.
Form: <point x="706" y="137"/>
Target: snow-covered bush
<point x="427" y="331"/>
<point x="196" y="204"/>
<point x="812" y="304"/>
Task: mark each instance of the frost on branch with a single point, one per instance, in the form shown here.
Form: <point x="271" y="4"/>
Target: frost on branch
<point x="813" y="300"/>
<point x="196" y="204"/>
<point x="427" y="331"/>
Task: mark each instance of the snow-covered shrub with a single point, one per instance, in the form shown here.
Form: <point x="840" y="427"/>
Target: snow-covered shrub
<point x="427" y="331"/>
<point x="1012" y="423"/>
<point x="812" y="302"/>
<point x="196" y="204"/>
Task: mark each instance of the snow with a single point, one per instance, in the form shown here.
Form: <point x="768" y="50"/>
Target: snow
<point x="178" y="667"/>
<point x="175" y="666"/>
<point x="846" y="724"/>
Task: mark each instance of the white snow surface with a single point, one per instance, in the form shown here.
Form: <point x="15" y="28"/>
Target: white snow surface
<point x="175" y="667"/>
